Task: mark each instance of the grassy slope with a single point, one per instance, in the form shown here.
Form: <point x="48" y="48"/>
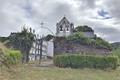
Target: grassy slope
<point x="116" y="52"/>
<point x="35" y="73"/>
<point x="2" y="46"/>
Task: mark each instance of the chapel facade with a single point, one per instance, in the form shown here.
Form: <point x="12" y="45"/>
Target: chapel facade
<point x="64" y="28"/>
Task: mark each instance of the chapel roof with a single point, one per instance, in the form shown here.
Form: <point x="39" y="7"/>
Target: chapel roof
<point x="64" y="19"/>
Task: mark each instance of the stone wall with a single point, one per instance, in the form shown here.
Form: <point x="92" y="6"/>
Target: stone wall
<point x="62" y="46"/>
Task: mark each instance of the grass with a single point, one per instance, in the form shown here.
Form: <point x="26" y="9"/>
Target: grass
<point x="53" y="73"/>
<point x="2" y="46"/>
<point x="29" y="72"/>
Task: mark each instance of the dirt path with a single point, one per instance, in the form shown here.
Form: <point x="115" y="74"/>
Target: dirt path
<point x="44" y="63"/>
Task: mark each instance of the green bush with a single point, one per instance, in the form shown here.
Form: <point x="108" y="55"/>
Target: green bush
<point x="86" y="61"/>
<point x="83" y="28"/>
<point x="13" y="56"/>
<point x="62" y="61"/>
<point x="116" y="52"/>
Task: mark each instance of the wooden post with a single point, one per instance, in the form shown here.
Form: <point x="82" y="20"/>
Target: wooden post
<point x="40" y="48"/>
<point x="35" y="49"/>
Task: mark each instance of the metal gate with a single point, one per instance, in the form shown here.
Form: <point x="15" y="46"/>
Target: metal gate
<point x="38" y="50"/>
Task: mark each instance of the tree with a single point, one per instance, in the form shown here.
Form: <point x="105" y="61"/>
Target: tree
<point x="23" y="41"/>
<point x="84" y="28"/>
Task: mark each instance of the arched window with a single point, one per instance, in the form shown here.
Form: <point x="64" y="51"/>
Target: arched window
<point x="61" y="28"/>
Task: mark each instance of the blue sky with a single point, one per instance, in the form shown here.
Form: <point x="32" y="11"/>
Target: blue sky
<point x="102" y="15"/>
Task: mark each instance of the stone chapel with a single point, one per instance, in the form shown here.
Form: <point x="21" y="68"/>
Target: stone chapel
<point x="64" y="28"/>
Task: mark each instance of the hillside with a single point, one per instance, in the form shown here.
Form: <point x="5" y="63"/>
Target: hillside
<point x="2" y="46"/>
<point x="116" y="52"/>
<point x="2" y="39"/>
<point x="116" y="45"/>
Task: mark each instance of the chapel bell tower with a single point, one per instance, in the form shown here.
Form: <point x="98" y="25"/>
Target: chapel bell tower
<point x="64" y="28"/>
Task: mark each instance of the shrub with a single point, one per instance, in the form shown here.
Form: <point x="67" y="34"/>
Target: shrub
<point x="62" y="61"/>
<point x="13" y="56"/>
<point x="86" y="61"/>
<point x="116" y="52"/>
<point x="83" y="28"/>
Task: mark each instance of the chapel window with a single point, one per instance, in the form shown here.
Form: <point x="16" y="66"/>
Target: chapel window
<point x="61" y="28"/>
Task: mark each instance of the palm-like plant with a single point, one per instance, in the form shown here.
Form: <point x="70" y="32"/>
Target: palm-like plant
<point x="23" y="41"/>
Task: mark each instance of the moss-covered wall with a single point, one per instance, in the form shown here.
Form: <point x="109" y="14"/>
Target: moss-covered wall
<point x="62" y="46"/>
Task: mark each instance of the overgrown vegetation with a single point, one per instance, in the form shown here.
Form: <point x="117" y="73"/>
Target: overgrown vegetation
<point x="96" y="42"/>
<point x="13" y="57"/>
<point x="84" y="28"/>
<point x="9" y="57"/>
<point x="116" y="52"/>
<point x="86" y="61"/>
<point x="23" y="41"/>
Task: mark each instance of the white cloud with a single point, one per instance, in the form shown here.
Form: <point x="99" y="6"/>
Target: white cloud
<point x="15" y="13"/>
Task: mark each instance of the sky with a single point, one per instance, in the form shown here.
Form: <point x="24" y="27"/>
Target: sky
<point x="102" y="15"/>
